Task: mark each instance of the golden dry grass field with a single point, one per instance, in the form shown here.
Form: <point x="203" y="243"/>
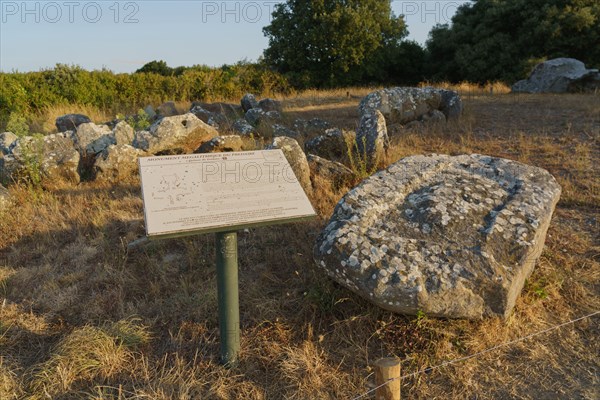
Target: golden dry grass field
<point x="83" y="317"/>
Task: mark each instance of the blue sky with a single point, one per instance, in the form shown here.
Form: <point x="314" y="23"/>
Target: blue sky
<point x="124" y="35"/>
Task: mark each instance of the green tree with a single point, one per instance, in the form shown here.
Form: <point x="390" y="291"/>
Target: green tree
<point x="497" y="39"/>
<point x="328" y="42"/>
<point x="156" y="67"/>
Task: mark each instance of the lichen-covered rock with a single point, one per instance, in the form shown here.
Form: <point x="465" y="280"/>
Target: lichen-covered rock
<point x="242" y="127"/>
<point x="560" y="75"/>
<point x="7" y="139"/>
<point x="448" y="236"/>
<point x="372" y="139"/>
<point x="211" y="118"/>
<point x="297" y="159"/>
<point x="52" y="158"/>
<point x="280" y="130"/>
<point x="70" y="122"/>
<point x="90" y="139"/>
<point x="60" y="160"/>
<point x="123" y="133"/>
<point x="401" y="105"/>
<point x="178" y="134"/>
<point x="336" y="173"/>
<point x="249" y="102"/>
<point x="269" y="105"/>
<point x="117" y="162"/>
<point x="254" y="116"/>
<point x="330" y="145"/>
<point x="312" y="127"/>
<point x="222" y="144"/>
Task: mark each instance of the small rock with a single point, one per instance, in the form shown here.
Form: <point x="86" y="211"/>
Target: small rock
<point x="249" y="102"/>
<point x="123" y="133"/>
<point x="70" y="122"/>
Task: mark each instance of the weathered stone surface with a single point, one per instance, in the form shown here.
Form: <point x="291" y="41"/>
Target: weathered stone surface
<point x="254" y="116"/>
<point x="405" y="104"/>
<point x="372" y="139"/>
<point x="244" y="128"/>
<point x="229" y="111"/>
<point x="434" y="117"/>
<point x="178" y="134"/>
<point x="117" y="162"/>
<point x="167" y="109"/>
<point x="221" y="144"/>
<point x="559" y="75"/>
<point x="297" y="159"/>
<point x="70" y="122"/>
<point x="331" y="145"/>
<point x="211" y="118"/>
<point x="123" y="133"/>
<point x="53" y="157"/>
<point x="269" y="105"/>
<point x="249" y="102"/>
<point x="7" y="139"/>
<point x="448" y="236"/>
<point x="90" y="139"/>
<point x="314" y="126"/>
<point x="280" y="130"/>
<point x="338" y="174"/>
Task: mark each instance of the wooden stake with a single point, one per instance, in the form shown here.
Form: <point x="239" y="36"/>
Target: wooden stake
<point x="387" y="370"/>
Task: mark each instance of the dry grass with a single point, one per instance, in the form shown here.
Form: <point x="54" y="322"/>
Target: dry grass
<point x="69" y="286"/>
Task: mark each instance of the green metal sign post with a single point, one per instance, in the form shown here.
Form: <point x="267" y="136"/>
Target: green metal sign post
<point x="194" y="194"/>
<point x="228" y="294"/>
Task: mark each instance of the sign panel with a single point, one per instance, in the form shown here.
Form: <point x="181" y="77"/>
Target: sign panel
<point x="201" y="193"/>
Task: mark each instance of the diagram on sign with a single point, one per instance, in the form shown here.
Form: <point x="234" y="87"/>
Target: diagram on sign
<point x="172" y="189"/>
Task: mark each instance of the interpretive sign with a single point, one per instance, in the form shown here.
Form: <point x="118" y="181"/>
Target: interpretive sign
<point x="223" y="193"/>
<point x="201" y="193"/>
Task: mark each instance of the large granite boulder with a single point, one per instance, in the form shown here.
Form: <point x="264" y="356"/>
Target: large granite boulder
<point x="178" y="134"/>
<point x="330" y="145"/>
<point x="211" y="118"/>
<point x="297" y="159"/>
<point x="117" y="162"/>
<point x="90" y="139"/>
<point x="560" y="75"/>
<point x="70" y="122"/>
<point x="448" y="236"/>
<point x="7" y="139"/>
<point x="123" y="133"/>
<point x="372" y="139"/>
<point x="401" y="105"/>
<point x="312" y="127"/>
<point x="53" y="159"/>
<point x="244" y="128"/>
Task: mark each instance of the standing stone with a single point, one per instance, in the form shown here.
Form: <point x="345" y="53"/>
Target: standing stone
<point x="123" y="133"/>
<point x="178" y="134"/>
<point x="560" y="75"/>
<point x="254" y="116"/>
<point x="453" y="237"/>
<point x="117" y="162"/>
<point x="7" y="139"/>
<point x="297" y="159"/>
<point x="70" y="122"/>
<point x="372" y="139"/>
<point x="249" y="102"/>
